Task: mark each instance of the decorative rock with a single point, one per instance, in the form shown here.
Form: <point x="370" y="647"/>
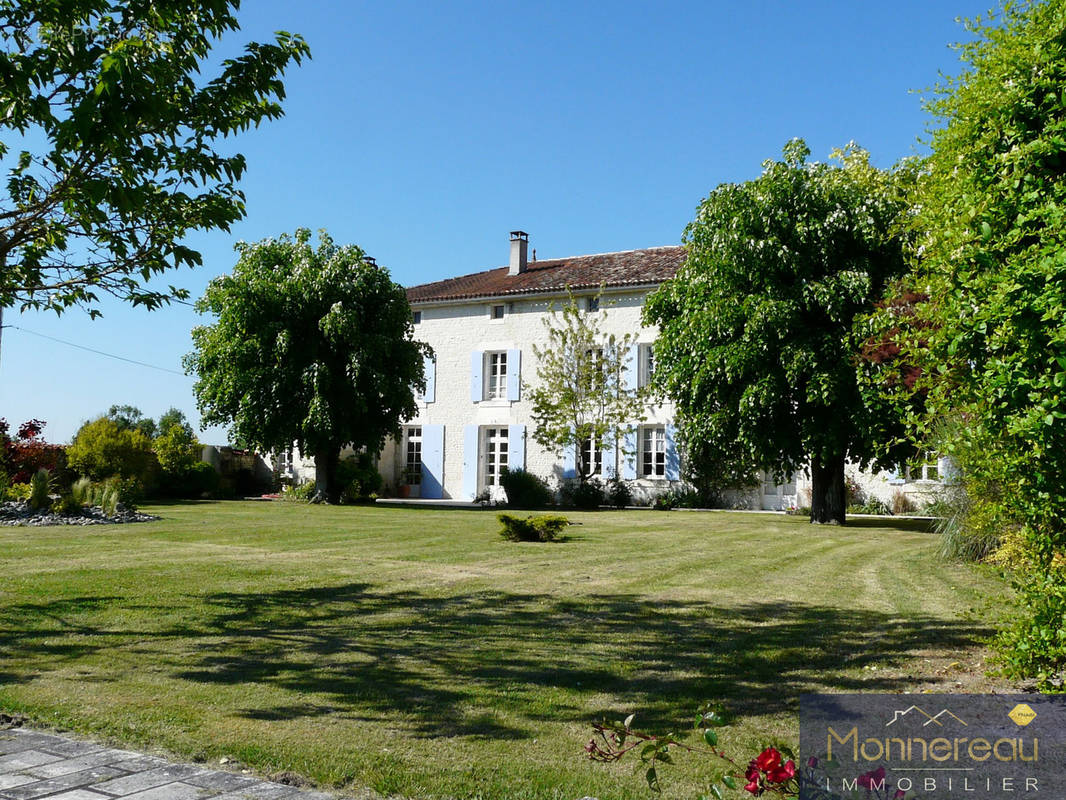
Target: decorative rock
<point x="17" y="512"/>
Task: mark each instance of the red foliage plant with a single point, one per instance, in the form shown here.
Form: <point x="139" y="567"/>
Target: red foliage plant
<point x="27" y="452"/>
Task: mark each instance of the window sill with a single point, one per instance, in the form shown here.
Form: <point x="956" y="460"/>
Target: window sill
<point x="498" y="402"/>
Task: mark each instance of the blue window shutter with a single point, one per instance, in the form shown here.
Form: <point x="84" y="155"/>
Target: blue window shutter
<point x="514" y="375"/>
<point x="470" y="459"/>
<point x="477" y="381"/>
<point x="629" y="455"/>
<point x="569" y="462"/>
<point x="429" y="364"/>
<point x="673" y="459"/>
<point x="516" y="446"/>
<point x="632" y="367"/>
<point x="432" y="461"/>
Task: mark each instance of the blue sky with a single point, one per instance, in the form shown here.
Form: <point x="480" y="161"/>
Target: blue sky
<point x="425" y="132"/>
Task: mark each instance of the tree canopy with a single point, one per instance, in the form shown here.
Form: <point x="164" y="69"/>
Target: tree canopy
<point x="310" y="345"/>
<point x="756" y="344"/>
<point x="109" y="142"/>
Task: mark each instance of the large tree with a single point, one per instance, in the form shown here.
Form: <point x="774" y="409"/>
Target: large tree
<point x="756" y="344"/>
<point x="310" y="345"/>
<point x="110" y="132"/>
<point x="992" y="341"/>
<point x="586" y="385"/>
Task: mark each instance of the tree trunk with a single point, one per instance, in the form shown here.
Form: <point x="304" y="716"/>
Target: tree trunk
<point x="326" y="488"/>
<point x="828" y="495"/>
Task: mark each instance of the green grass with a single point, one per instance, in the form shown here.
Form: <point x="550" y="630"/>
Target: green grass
<point x="415" y="652"/>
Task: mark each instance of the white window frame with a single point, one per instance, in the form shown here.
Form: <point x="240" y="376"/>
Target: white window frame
<point x="286" y="462"/>
<point x="927" y="469"/>
<point x="412" y="455"/>
<point x="495" y="447"/>
<point x="495" y="372"/>
<point x="592" y="452"/>
<point x="652" y="464"/>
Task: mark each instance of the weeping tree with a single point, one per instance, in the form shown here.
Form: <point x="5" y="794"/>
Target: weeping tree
<point x="757" y="346"/>
<point x="310" y="346"/>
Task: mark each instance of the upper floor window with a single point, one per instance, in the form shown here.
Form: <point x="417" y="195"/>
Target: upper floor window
<point x="496" y="375"/>
<point x="416" y="317"/>
<point x="592" y="304"/>
<point x="653" y="451"/>
<point x="498" y="311"/>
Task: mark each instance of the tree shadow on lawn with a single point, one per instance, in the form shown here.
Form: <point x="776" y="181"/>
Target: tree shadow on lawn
<point x="444" y="666"/>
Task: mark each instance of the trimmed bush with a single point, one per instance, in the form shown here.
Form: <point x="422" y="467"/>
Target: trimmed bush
<point x="618" y="494"/>
<point x="524" y="489"/>
<point x="358" y="478"/>
<point x="542" y="528"/>
<point x="586" y="496"/>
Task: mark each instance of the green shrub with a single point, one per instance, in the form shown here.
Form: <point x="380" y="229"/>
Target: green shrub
<point x="524" y="489"/>
<point x="200" y="481"/>
<point x="101" y="449"/>
<point x="40" y="488"/>
<point x="587" y="496"/>
<point x="542" y="528"/>
<point x="67" y="504"/>
<point x="618" y="494"/>
<point x="358" y="477"/>
<point x="18" y="491"/>
<point x="298" y="494"/>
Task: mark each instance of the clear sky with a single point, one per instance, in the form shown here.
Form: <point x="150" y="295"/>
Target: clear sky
<point x="425" y="132"/>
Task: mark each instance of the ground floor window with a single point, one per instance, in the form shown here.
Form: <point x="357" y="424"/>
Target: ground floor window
<point x="927" y="468"/>
<point x="592" y="456"/>
<point x="412" y="472"/>
<point x="495" y="448"/>
<point x="653" y="451"/>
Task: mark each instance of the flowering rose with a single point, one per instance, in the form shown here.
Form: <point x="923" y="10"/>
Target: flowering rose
<point x="783" y="773"/>
<point x="768" y="759"/>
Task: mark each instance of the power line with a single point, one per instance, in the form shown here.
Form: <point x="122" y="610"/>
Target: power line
<point x="91" y="350"/>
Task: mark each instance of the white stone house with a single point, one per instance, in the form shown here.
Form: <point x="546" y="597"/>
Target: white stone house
<point x="475" y="417"/>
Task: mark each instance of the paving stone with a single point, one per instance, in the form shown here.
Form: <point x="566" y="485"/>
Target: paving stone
<point x="70" y="748"/>
<point x="13" y="779"/>
<point x="260" y="790"/>
<point x="24" y="759"/>
<point x="140" y="781"/>
<point x="79" y="794"/>
<point x="68" y="765"/>
<point x="139" y="763"/>
<point x="172" y="791"/>
<point x="223" y="781"/>
<point x="62" y="783"/>
<point x="14" y="741"/>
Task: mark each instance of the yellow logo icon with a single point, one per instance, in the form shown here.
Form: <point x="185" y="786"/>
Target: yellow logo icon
<point x="1022" y="714"/>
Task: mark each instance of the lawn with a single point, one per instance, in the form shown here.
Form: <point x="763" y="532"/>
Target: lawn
<point x="413" y="652"/>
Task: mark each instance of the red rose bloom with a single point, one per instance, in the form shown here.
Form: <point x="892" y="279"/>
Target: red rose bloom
<point x="753" y="787"/>
<point x="768" y="759"/>
<point x="783" y="773"/>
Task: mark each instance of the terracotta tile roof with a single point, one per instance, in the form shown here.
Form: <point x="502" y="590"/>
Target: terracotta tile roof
<point x="630" y="267"/>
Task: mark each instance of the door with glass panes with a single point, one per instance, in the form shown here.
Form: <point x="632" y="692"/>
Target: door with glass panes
<point x="494" y="458"/>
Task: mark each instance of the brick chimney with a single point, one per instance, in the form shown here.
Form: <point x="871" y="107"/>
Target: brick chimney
<point x="519" y="246"/>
